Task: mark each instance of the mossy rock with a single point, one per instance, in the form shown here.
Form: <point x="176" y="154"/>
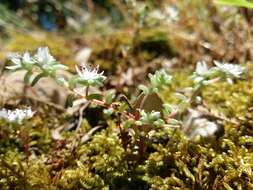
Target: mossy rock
<point x="110" y="51"/>
<point x="130" y="47"/>
<point x="156" y="42"/>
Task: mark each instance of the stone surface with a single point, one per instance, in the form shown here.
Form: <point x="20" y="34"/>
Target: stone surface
<point x="12" y="88"/>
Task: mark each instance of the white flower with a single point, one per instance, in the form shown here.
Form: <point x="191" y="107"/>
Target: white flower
<point x="17" y="115"/>
<point x="16" y="59"/>
<point x="27" y="59"/>
<point x="172" y="12"/>
<point x="43" y="56"/>
<point x="202" y="72"/>
<point x="20" y="61"/>
<point x="230" y="70"/>
<point x="45" y="60"/>
<point x="42" y="59"/>
<point x="201" y="68"/>
<point x="89" y="76"/>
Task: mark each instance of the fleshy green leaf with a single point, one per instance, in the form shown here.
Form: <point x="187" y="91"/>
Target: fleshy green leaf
<point x="94" y="96"/>
<point x="144" y="89"/>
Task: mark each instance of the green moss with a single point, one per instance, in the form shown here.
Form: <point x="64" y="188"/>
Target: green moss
<point x="234" y="101"/>
<point x="130" y="47"/>
<point x="103" y="163"/>
<point x="181" y="79"/>
<point x="59" y="46"/>
<point x="176" y="162"/>
<point x="155" y="41"/>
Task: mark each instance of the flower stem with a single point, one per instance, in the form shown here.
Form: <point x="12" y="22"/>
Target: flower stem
<point x="87" y="91"/>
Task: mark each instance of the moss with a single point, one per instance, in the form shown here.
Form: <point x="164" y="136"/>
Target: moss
<point x="155" y="41"/>
<point x="222" y="163"/>
<point x="59" y="46"/>
<point x="181" y="79"/>
<point x="176" y="162"/>
<point x="130" y="47"/>
<point x="114" y="50"/>
<point x="234" y="101"/>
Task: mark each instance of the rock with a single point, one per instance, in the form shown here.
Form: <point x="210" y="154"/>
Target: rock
<point x="12" y="87"/>
<point x="83" y="55"/>
<point x="198" y="124"/>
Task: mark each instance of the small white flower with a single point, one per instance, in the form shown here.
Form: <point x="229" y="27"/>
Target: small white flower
<point x="27" y="59"/>
<point x="202" y="73"/>
<point x="15" y="59"/>
<point x="230" y="70"/>
<point x="172" y="12"/>
<point x="89" y="76"/>
<point x="201" y="68"/>
<point x="20" y="61"/>
<point x="45" y="60"/>
<point x="17" y="115"/>
<point x="43" y="56"/>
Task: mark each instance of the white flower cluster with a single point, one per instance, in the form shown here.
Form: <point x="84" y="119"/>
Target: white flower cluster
<point x="227" y="71"/>
<point x="20" y="61"/>
<point x="17" y="115"/>
<point x="42" y="59"/>
<point x="89" y="76"/>
<point x="47" y="66"/>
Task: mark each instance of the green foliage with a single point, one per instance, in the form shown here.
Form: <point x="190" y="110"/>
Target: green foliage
<point x="157" y="82"/>
<point x="153" y="118"/>
<point x="239" y="3"/>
